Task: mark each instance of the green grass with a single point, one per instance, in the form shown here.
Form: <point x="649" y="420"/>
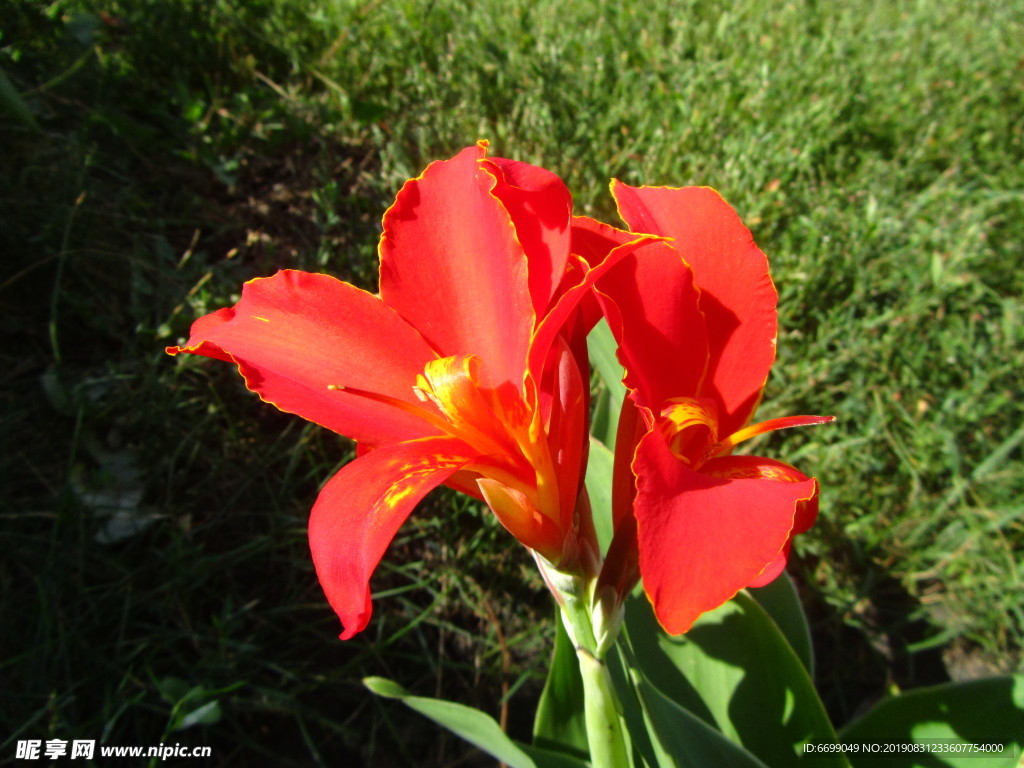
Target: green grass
<point x="176" y="149"/>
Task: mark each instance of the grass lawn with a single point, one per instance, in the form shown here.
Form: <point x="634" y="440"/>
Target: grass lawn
<point x="157" y="585"/>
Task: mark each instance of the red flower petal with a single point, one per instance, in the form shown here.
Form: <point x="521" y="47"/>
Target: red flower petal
<point x="571" y="299"/>
<point x="295" y="334"/>
<point x="759" y="467"/>
<point x="633" y="425"/>
<point x="738" y="298"/>
<point x="522" y="519"/>
<point x="541" y="208"/>
<point x="704" y="538"/>
<point x="651" y="305"/>
<point x="784" y="422"/>
<point x="594" y="240"/>
<point x="774" y="569"/>
<point x="361" y="508"/>
<point x="567" y="427"/>
<point x="451" y="265"/>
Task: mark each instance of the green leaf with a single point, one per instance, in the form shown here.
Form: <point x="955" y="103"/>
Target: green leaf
<point x="781" y="601"/>
<point x="604" y="419"/>
<point x="663" y="733"/>
<point x="559" y="723"/>
<point x="977" y="712"/>
<point x="736" y="671"/>
<point x="684" y="739"/>
<point x="206" y="714"/>
<point x="544" y="758"/>
<point x="476" y="727"/>
<point x="599" y="488"/>
<point x="601" y="346"/>
<point x="11" y="101"/>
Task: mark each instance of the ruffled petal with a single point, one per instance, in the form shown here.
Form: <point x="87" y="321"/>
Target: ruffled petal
<point x="651" y="305"/>
<point x="296" y="334"/>
<point x="737" y="296"/>
<point x="541" y="209"/>
<point x="807" y="509"/>
<point x="451" y="264"/>
<point x="774" y="569"/>
<point x="738" y="467"/>
<point x="361" y="508"/>
<point x="703" y="538"/>
<point x="570" y="300"/>
<point x="761" y="468"/>
<point x="594" y="240"/>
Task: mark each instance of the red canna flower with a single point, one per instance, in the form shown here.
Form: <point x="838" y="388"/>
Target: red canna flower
<point x="696" y="326"/>
<point x="469" y="368"/>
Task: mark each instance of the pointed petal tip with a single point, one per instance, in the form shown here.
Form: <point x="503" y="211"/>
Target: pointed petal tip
<point x="763" y="427"/>
<point x="353" y="625"/>
<point x="673" y="623"/>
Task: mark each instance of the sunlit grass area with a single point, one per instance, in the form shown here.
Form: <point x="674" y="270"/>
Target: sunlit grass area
<point x="156" y="581"/>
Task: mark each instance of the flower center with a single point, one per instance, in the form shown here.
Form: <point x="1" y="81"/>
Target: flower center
<point x="515" y="473"/>
<point x="690" y="427"/>
<point x="513" y="468"/>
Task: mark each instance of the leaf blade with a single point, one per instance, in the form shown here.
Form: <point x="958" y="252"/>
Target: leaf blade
<point x="736" y="671"/>
<point x="975" y="712"/>
<point x="472" y="725"/>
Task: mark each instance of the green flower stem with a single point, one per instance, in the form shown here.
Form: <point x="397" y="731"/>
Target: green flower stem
<point x="601" y="712"/>
<point x="592" y="623"/>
